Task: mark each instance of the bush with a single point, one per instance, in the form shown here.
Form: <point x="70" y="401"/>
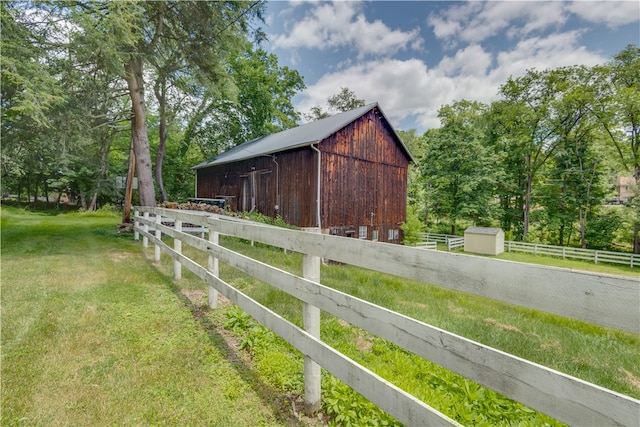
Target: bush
<point x="601" y="230"/>
<point x="412" y="229"/>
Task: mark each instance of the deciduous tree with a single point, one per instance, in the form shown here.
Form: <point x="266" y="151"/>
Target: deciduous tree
<point x="125" y="37"/>
<point x="459" y="166"/>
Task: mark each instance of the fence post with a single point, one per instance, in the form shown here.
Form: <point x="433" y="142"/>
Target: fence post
<point x="158" y="237"/>
<point x="136" y="224"/>
<point x="213" y="268"/>
<point x="177" y="246"/>
<point x="145" y="227"/>
<point x="595" y="257"/>
<point x="311" y="322"/>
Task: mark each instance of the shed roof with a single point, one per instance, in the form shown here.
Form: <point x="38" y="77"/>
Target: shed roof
<point x="301" y="136"/>
<point x="483" y="230"/>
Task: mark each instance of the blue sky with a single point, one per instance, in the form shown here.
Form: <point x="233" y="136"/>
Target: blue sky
<point x="415" y="56"/>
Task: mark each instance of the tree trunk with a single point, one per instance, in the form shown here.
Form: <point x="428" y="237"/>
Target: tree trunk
<point x="527" y="201"/>
<point x="35" y="191"/>
<point x="128" y="193"/>
<point x="139" y="135"/>
<point x="583" y="227"/>
<point x="104" y="154"/>
<point x="160" y="92"/>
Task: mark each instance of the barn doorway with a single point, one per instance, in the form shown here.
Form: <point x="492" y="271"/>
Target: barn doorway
<point x="257" y="192"/>
<point x="248" y="201"/>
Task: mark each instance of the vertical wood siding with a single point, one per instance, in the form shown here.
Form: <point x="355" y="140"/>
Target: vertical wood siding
<point x="364" y="171"/>
<point x="293" y="177"/>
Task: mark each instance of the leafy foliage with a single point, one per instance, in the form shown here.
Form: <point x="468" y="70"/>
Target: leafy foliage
<point x="344" y="100"/>
<point x="460" y="169"/>
<point x="412" y="228"/>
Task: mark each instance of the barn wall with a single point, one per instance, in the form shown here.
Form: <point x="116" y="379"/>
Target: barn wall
<point x="261" y="182"/>
<point x="365" y="172"/>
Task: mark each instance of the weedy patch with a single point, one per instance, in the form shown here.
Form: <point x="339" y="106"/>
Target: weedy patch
<point x="630" y="379"/>
<point x="504" y="327"/>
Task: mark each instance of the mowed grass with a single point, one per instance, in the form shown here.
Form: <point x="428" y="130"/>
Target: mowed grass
<point x="604" y="356"/>
<point x="103" y="335"/>
<point x="94" y="334"/>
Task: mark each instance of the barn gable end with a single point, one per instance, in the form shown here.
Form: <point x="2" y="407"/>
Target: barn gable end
<point x="363" y="167"/>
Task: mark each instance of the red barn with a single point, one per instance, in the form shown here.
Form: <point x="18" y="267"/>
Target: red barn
<point x="346" y="174"/>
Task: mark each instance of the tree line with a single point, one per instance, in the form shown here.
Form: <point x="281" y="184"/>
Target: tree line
<point x="88" y="86"/>
<point x="92" y="90"/>
<point x="548" y="151"/>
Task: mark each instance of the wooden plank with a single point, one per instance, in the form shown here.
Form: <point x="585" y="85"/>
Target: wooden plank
<point x="561" y="396"/>
<point x="564" y="397"/>
<point x="606" y="300"/>
<point x="404" y="407"/>
<point x="400" y="404"/>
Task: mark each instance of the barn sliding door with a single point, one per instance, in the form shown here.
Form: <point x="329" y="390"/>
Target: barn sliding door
<point x="248" y="203"/>
<point x="257" y="192"/>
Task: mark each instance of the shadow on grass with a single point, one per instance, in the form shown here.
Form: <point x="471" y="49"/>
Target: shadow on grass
<point x="41" y="207"/>
<point x="287" y="408"/>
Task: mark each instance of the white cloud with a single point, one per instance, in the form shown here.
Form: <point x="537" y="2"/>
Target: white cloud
<point x="342" y="24"/>
<point x="612" y="14"/>
<point x="476" y="21"/>
<point x="554" y="51"/>
<point x="403" y="88"/>
<point x="409" y="89"/>
<point x="472" y="60"/>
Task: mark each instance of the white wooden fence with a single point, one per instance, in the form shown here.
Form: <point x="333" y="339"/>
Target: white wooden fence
<point x="632" y="260"/>
<point x="452" y="242"/>
<point x="565" y="252"/>
<point x="601" y="299"/>
<point x="432" y="246"/>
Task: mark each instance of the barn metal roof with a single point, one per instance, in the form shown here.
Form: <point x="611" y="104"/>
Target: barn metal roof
<point x="301" y="136"/>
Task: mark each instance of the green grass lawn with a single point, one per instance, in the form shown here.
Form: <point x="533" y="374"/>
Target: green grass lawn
<point x="95" y="333"/>
<point x="600" y="355"/>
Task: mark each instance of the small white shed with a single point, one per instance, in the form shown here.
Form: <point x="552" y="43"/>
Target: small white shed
<point x="484" y="240"/>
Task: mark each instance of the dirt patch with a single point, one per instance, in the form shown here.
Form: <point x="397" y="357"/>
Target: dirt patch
<point x="455" y="309"/>
<point x="415" y="304"/>
<point x="119" y="256"/>
<point x="363" y="343"/>
<point x="504" y="327"/>
<point x="551" y="345"/>
<point x="344" y="323"/>
<point x="630" y="379"/>
<point x="196" y="297"/>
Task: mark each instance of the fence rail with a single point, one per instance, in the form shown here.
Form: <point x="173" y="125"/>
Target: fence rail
<point x="433" y="246"/>
<point x="455" y="243"/>
<point x="452" y="242"/>
<point x="565" y="252"/>
<point x="632" y="260"/>
<point x="607" y="300"/>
